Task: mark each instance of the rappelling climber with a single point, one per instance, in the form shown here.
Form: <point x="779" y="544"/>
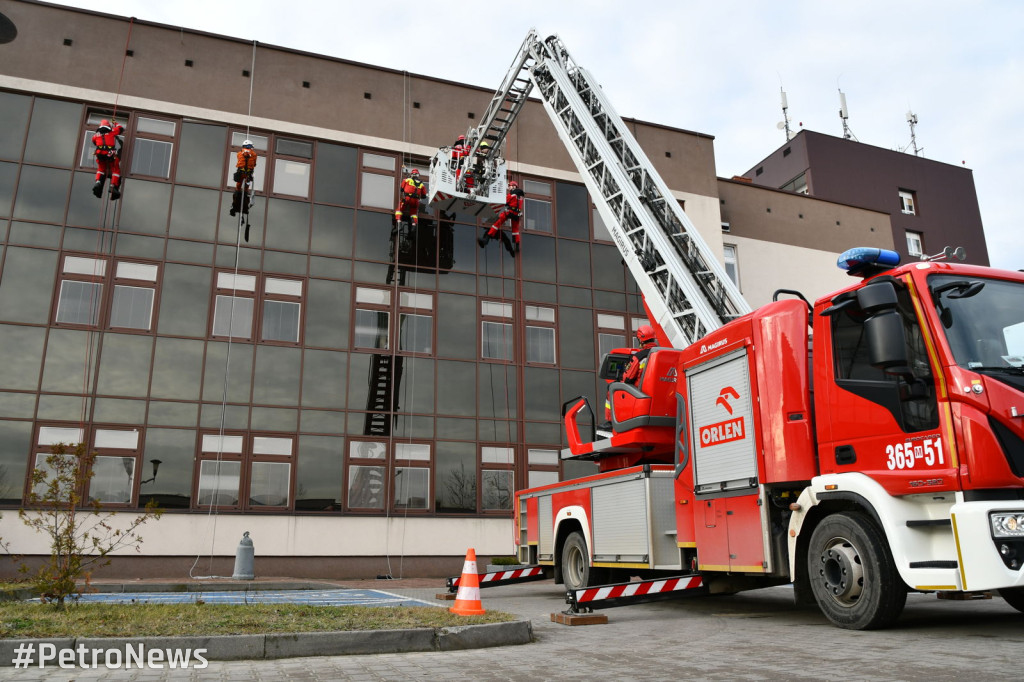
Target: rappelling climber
<point x="512" y="212"/>
<point x="108" y="158"/>
<point x="410" y="193"/>
<point x="245" y="169"/>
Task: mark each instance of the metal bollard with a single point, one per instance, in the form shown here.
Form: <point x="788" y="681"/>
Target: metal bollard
<point x="244" y="559"/>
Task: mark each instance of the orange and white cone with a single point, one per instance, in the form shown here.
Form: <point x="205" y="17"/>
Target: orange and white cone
<point x="467" y="601"/>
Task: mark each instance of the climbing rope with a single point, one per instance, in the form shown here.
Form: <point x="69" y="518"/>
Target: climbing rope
<point x="247" y="194"/>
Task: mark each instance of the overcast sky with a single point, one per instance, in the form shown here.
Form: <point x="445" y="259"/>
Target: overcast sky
<point x="715" y="67"/>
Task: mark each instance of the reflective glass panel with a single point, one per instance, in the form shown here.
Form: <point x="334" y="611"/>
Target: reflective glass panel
<point x="496" y="490"/>
<point x="219" y="483"/>
<point x="14" y="113"/>
<point x="53" y="133"/>
<point x="269" y="484"/>
<point x="371" y="329"/>
<point x="200" y="154"/>
<point x="335" y="174"/>
<point x="232" y="316"/>
<point x="79" y="302"/>
<point x="151" y="157"/>
<point x="496" y="341"/>
<point x="415" y="333"/>
<point x="132" y="307"/>
<point x="291" y="177"/>
<point x="378" y="190"/>
<point x="412" y="488"/>
<point x="366" y="487"/>
<point x="112" y="480"/>
<point x="540" y="344"/>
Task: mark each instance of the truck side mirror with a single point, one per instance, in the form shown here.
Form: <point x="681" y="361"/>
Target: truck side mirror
<point x="883" y="329"/>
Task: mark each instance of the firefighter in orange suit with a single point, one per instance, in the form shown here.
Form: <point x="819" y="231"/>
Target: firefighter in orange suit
<point x="245" y="168"/>
<point x="637" y="362"/>
<point x="411" y="191"/>
<point x="108" y="158"/>
<point x="512" y="212"/>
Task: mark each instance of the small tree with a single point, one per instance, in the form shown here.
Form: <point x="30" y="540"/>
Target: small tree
<point x="81" y="534"/>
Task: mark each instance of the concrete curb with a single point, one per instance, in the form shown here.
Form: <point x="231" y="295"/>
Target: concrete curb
<point x="277" y="645"/>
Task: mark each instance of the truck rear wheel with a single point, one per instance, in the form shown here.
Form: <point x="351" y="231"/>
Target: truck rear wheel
<point x="577" y="572"/>
<point x="852" y="574"/>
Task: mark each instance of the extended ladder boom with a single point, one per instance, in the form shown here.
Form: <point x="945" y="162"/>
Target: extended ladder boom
<point x="685" y="287"/>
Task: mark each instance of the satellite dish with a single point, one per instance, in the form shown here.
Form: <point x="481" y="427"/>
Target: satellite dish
<point x="781" y="125"/>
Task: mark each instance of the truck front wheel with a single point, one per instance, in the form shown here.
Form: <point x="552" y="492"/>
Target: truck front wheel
<point x="852" y="574"/>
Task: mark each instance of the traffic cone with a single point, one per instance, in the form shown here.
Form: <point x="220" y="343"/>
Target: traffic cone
<point x="467" y="601"/>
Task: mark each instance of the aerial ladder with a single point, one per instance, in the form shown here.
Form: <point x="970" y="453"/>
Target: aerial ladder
<point x="686" y="290"/>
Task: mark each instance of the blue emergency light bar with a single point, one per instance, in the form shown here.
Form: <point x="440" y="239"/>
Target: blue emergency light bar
<point x="863" y="261"/>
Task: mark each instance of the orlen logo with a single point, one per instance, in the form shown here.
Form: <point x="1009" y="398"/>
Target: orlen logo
<point x="717" y="344"/>
<point x="730" y="429"/>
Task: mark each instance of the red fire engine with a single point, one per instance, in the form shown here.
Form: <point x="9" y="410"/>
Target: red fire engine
<point x="861" y="447"/>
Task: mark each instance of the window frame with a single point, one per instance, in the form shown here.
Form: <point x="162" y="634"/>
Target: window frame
<point x="602" y="327"/>
<point x="734" y="260"/>
<point x="246" y="457"/>
<point x="364" y="170"/>
<point x="536" y="323"/>
<point x="908" y="202"/>
<point x="291" y="158"/>
<point x="919" y="236"/>
<point x="487" y="454"/>
<point x="533" y="198"/>
<point x="507" y="320"/>
<point x="155" y="137"/>
<point x="109" y="280"/>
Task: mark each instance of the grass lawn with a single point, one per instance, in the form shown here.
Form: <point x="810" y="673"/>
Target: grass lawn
<point x="23" y="620"/>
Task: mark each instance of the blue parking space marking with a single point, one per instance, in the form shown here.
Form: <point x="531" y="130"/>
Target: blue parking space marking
<point x="311" y="597"/>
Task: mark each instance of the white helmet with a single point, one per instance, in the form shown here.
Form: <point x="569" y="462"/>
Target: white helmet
<point x="247" y="143"/>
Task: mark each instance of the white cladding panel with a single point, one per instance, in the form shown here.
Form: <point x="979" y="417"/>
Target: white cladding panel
<point x="620" y="518"/>
<point x="722" y="424"/>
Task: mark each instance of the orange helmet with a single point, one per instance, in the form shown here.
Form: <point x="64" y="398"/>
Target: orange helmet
<point x="645" y="335"/>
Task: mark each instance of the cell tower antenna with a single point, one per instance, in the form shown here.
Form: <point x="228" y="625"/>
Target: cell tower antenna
<point x="844" y="114"/>
<point x="784" y="123"/>
<point x="912" y="122"/>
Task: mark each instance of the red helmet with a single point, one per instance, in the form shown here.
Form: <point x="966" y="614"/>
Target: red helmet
<point x="645" y="335"/>
<point x="462" y="138"/>
<point x="104" y="124"/>
<point x="415" y="172"/>
<point x="513" y="184"/>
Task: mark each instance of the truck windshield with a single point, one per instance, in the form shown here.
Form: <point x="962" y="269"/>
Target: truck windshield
<point x="983" y="320"/>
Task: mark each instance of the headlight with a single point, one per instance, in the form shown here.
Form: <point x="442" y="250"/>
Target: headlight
<point x="1007" y="524"/>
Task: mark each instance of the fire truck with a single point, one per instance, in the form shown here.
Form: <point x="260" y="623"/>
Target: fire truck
<point x="862" y="446"/>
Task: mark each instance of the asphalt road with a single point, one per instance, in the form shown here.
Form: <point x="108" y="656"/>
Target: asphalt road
<point x="757" y="635"/>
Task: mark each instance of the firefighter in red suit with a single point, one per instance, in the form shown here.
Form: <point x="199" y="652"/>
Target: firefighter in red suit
<point x="108" y="158"/>
<point x="459" y="151"/>
<point x="513" y="212"/>
<point x="637" y="362"/>
<point x="245" y="169"/>
<point x="411" y="191"/>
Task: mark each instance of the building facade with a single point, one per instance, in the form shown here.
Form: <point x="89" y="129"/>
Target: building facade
<point x="362" y="398"/>
<point x="932" y="204"/>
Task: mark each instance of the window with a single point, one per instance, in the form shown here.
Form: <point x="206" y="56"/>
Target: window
<point x="261" y="144"/>
<point x="915" y="246"/>
<point x="280" y="304"/>
<point x="496" y="341"/>
<point x="367" y="471"/>
<point x="134" y="291"/>
<point x="415" y="322"/>
<point x="412" y="476"/>
<point x="81" y="297"/>
<point x="601" y="230"/>
<point x="908" y="202"/>
<point x="731" y="264"/>
<point x="797" y="184"/>
<point x="537" y="205"/>
<point x="114" y="470"/>
<point x="233" y="309"/>
<point x="248" y="472"/>
<point x="496" y="478"/>
<point x="913" y="411"/>
<point x="540" y="340"/>
<point x="543" y="467"/>
<point x="368" y="484"/>
<point x="153" y="147"/>
<point x="291" y="176"/>
<point x="372" y="318"/>
<point x="378" y="181"/>
<point x="611" y="333"/>
<point x="282" y="310"/>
